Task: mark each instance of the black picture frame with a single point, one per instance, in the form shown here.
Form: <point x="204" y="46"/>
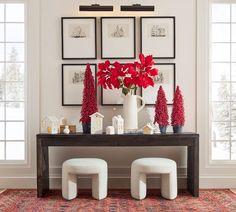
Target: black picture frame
<point x="155" y="88"/>
<point x="147" y="49"/>
<point x="63" y="67"/>
<point x="66" y="56"/>
<point x="133" y="47"/>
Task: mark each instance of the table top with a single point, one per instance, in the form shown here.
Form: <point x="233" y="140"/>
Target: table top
<point x="80" y="139"/>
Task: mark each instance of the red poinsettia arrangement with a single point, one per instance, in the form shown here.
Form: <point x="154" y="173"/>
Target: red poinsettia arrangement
<point x="127" y="76"/>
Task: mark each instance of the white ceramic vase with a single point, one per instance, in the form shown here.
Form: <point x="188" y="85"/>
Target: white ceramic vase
<point x="130" y="111"/>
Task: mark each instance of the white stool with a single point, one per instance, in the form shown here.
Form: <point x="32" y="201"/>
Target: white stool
<point x="143" y="166"/>
<point x="88" y="166"/>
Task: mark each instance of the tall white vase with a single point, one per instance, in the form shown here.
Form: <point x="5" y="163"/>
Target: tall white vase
<point x="130" y="111"/>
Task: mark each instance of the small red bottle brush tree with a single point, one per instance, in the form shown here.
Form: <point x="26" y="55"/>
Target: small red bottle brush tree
<point x="89" y="105"/>
<point x="177" y="116"/>
<point x="161" y="113"/>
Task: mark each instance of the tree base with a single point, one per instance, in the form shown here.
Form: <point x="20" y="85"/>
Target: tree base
<point x="177" y="129"/>
<point x="86" y="128"/>
<point x="162" y="129"/>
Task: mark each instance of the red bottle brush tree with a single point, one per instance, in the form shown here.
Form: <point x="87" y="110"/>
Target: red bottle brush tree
<point x="89" y="105"/>
<point x="177" y="116"/>
<point x="161" y="113"/>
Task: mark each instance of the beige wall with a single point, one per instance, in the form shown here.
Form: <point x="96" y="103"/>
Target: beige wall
<point x="119" y="159"/>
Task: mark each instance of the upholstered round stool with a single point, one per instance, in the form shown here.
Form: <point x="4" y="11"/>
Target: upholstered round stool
<point x="143" y="166"/>
<point x="84" y="166"/>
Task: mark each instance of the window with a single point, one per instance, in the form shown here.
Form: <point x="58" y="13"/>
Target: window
<point x="12" y="83"/>
<point x="223" y="81"/>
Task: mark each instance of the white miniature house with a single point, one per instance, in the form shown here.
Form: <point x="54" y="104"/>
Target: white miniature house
<point x="50" y="124"/>
<point x="118" y="124"/>
<point x="148" y="129"/>
<point x="96" y="123"/>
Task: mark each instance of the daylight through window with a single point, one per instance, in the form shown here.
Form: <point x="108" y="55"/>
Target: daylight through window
<point x="12" y="75"/>
<point x="223" y="81"/>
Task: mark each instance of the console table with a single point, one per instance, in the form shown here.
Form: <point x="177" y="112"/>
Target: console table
<point x="190" y="140"/>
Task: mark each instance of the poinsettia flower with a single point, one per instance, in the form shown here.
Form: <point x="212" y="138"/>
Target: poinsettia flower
<point x="144" y="61"/>
<point x="128" y="76"/>
<point x="108" y="74"/>
<point x="128" y="82"/>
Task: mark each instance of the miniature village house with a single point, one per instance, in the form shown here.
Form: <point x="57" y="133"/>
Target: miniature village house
<point x="50" y="124"/>
<point x="148" y="129"/>
<point x="96" y="123"/>
<point x="118" y="124"/>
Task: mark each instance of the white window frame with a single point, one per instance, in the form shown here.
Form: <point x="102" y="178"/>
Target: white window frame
<point x="26" y="149"/>
<point x="211" y="161"/>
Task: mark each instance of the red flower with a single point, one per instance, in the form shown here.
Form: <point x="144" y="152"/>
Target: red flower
<point x="128" y="76"/>
<point x="109" y="74"/>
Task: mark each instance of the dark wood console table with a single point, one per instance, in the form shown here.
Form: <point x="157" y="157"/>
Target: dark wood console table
<point x="191" y="140"/>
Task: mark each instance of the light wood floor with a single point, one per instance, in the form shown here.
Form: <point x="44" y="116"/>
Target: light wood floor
<point x="1" y="190"/>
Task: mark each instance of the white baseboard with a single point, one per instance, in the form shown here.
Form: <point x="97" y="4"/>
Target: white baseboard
<point x="218" y="182"/>
<point x="116" y="182"/>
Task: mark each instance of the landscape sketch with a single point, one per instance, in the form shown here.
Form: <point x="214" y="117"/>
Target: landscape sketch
<point x="78" y="31"/>
<point x="118" y="30"/>
<point x="158" y="30"/>
<point x="162" y="77"/>
<point x="77" y="78"/>
<point x="159" y="78"/>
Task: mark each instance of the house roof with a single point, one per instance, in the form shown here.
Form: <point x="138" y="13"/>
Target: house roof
<point x="149" y="126"/>
<point x="97" y="114"/>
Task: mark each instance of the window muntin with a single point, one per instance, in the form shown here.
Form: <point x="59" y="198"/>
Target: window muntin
<point x="12" y="81"/>
<point x="223" y="81"/>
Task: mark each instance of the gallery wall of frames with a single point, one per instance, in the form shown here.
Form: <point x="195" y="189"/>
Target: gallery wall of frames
<point x="118" y="42"/>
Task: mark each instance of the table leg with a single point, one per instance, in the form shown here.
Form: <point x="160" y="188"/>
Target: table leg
<point x="42" y="169"/>
<point x="193" y="169"/>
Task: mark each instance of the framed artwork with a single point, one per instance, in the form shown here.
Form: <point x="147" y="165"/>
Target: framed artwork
<point x="165" y="78"/>
<point x="111" y="97"/>
<point x="79" y="38"/>
<point x="73" y="83"/>
<point x="158" y="36"/>
<point x="118" y="38"/>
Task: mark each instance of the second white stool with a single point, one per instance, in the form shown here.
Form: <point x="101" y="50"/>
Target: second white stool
<point x="85" y="166"/>
<point x="143" y="166"/>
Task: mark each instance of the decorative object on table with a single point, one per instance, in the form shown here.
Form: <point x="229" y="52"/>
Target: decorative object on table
<point x="66" y="130"/>
<point x="110" y="130"/>
<point x="50" y="124"/>
<point x="118" y="124"/>
<point x="89" y="105"/>
<point x="148" y="129"/>
<point x="166" y="79"/>
<point x="72" y="83"/>
<point x="79" y="38"/>
<point x="96" y="123"/>
<point x="177" y="116"/>
<point x="72" y="129"/>
<point x="118" y="38"/>
<point x="130" y="111"/>
<point x="63" y="121"/>
<point x="161" y="112"/>
<point x="128" y="77"/>
<point x="158" y="31"/>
